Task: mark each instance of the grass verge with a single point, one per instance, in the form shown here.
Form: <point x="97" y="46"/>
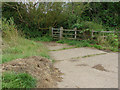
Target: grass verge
<point x="87" y="43"/>
<point x="23" y="48"/>
<point x="17" y="80"/>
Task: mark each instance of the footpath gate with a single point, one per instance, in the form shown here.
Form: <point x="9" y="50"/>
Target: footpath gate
<point x="59" y="33"/>
<point x="56" y="33"/>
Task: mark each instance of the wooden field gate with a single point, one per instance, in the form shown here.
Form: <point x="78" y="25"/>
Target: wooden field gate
<point x="59" y="33"/>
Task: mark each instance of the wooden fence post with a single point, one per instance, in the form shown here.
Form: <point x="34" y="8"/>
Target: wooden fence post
<point x="50" y="31"/>
<point x="61" y="33"/>
<point x="75" y="32"/>
<point x="92" y="34"/>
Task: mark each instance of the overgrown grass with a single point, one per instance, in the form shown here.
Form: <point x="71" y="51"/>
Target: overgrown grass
<point x="23" y="48"/>
<point x="81" y="43"/>
<point x="16" y="46"/>
<point x="17" y="80"/>
<point x="87" y="43"/>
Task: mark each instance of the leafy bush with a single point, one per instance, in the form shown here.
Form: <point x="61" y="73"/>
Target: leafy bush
<point x="113" y="40"/>
<point x="17" y="80"/>
<point x="88" y="25"/>
<point x="110" y="41"/>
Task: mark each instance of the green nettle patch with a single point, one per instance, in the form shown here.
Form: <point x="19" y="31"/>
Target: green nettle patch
<point x="17" y="80"/>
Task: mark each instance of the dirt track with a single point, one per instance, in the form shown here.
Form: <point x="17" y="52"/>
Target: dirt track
<point x="85" y="67"/>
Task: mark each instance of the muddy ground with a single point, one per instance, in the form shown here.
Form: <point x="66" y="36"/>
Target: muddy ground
<point x="40" y="68"/>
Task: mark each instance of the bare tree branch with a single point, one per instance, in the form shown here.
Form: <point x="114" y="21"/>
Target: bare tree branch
<point x="10" y="6"/>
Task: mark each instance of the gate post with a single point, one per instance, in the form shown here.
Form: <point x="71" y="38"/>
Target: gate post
<point x="92" y="34"/>
<point x="61" y="33"/>
<point x="50" y="31"/>
<point x="75" y="32"/>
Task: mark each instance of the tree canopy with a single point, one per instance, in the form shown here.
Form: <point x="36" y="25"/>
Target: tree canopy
<point x="33" y="16"/>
